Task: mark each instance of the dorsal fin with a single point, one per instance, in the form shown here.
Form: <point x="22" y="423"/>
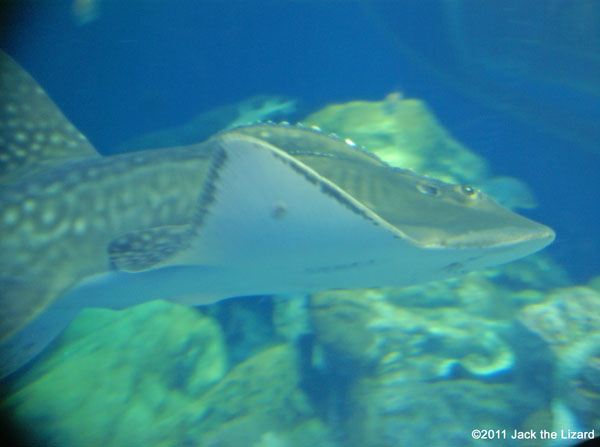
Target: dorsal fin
<point x="34" y="134"/>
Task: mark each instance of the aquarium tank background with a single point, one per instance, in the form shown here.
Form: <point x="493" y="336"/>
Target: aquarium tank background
<point x="503" y="96"/>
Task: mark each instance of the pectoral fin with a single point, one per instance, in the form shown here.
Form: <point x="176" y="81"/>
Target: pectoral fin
<point x="142" y="250"/>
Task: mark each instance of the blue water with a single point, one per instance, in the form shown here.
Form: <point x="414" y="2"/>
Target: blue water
<point x="143" y="66"/>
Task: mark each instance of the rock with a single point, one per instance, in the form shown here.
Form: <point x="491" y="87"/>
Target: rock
<point x="257" y="397"/>
<point x="389" y="412"/>
<point x="155" y="374"/>
<point x="291" y="317"/>
<point x="424" y="343"/>
<point x="578" y="379"/>
<point x="568" y="315"/>
<point x="247" y="325"/>
<point x="569" y="323"/>
<point x="341" y="319"/>
<point x="311" y="433"/>
<point x="113" y="376"/>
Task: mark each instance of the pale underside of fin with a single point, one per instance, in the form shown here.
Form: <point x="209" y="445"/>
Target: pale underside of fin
<point x="274" y="225"/>
<point x="266" y="209"/>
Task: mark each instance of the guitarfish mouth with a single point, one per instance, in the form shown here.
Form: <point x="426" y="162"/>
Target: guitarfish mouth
<point x="537" y="237"/>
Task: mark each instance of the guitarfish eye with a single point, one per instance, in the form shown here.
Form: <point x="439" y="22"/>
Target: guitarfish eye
<point x="469" y="191"/>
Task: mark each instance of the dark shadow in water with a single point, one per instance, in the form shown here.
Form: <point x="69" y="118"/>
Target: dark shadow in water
<point x="537" y="62"/>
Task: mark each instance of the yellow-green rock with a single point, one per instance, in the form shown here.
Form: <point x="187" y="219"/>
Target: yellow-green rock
<point x="567" y="316"/>
<point x="569" y="322"/>
<point x="259" y="399"/>
<point x="341" y="319"/>
<point x="113" y="376"/>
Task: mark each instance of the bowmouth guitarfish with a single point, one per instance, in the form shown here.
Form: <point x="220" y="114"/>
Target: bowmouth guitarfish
<point x="260" y="209"/>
